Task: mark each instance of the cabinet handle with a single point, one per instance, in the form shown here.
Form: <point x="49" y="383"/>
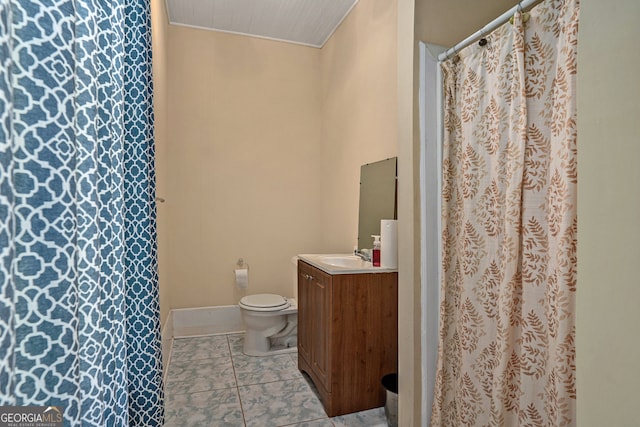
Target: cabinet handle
<point x="308" y="276"/>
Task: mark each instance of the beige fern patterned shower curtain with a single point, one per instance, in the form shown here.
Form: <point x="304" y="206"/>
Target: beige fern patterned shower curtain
<point x="507" y="316"/>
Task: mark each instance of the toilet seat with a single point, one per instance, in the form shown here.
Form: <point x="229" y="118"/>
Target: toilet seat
<point x="264" y="302"/>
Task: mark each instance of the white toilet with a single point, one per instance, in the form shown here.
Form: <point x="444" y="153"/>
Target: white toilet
<point x="271" y="324"/>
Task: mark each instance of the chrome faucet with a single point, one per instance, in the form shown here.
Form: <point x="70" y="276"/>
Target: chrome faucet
<point x="364" y="254"/>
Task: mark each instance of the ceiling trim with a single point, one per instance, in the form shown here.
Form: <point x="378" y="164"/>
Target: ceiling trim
<point x="245" y="34"/>
<point x="236" y="33"/>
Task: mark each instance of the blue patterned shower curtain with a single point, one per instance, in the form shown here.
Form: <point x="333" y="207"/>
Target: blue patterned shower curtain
<point x="79" y="311"/>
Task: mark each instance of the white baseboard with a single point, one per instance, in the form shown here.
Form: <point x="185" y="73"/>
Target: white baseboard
<point x="166" y="342"/>
<point x="193" y="322"/>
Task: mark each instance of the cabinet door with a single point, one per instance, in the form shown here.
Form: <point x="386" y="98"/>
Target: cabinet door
<point x="321" y="303"/>
<point x="305" y="312"/>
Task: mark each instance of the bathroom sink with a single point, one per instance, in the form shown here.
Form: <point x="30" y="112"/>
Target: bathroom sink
<point x="342" y="264"/>
<point x="349" y="261"/>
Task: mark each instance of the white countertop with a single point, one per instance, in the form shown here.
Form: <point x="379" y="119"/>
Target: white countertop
<point x="343" y="264"/>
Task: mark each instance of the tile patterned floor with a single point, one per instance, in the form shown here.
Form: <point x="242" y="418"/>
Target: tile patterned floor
<point x="212" y="383"/>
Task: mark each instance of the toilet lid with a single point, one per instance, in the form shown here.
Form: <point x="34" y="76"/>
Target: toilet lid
<point x="265" y="302"/>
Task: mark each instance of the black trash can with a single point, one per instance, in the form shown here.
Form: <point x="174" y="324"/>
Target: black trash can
<point x="390" y="384"/>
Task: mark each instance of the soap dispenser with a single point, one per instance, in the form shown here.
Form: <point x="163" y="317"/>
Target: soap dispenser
<point x="375" y="258"/>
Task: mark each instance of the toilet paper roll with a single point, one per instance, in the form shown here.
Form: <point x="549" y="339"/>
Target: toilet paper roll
<point x="242" y="278"/>
<point x="389" y="243"/>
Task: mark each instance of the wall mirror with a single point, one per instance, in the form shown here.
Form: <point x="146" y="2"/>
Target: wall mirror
<point x="378" y="200"/>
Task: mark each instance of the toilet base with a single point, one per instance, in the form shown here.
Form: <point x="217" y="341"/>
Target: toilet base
<point x="272" y="351"/>
<point x="268" y="348"/>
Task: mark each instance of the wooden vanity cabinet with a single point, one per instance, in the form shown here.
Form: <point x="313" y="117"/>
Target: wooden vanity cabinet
<point x="314" y="296"/>
<point x="347" y="336"/>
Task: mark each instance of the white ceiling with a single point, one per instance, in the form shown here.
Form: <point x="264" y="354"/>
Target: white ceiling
<point x="306" y="22"/>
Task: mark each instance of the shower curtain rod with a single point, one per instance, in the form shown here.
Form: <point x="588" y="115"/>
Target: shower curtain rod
<point x="486" y="29"/>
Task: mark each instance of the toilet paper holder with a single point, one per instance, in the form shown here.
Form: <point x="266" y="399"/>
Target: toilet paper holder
<point x="242" y="274"/>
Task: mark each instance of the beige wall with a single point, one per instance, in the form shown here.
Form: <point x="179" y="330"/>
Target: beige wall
<point x="359" y="125"/>
<point x="608" y="317"/>
<point x="243" y="174"/>
<point x="447" y="22"/>
<point x="159" y="28"/>
<point x="266" y="140"/>
<point x="409" y="372"/>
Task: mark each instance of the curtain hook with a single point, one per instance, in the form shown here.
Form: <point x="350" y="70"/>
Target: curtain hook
<point x="525" y="15"/>
<point x="518" y="10"/>
<point x="483" y="39"/>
